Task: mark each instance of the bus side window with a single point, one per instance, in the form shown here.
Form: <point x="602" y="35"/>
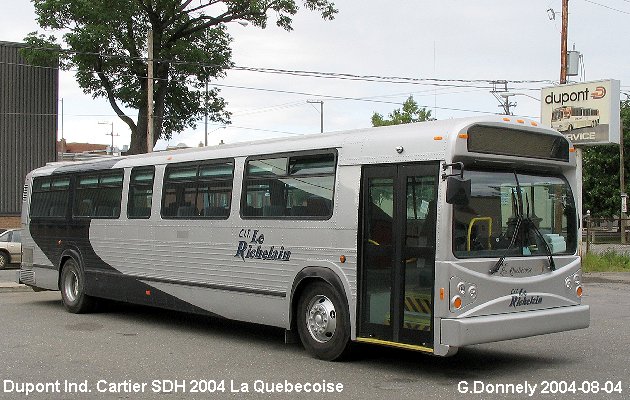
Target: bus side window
<point x="98" y="195"/>
<point x="140" y="192"/>
<point x="50" y="197"/>
<point x="291" y="187"/>
<point x="198" y="190"/>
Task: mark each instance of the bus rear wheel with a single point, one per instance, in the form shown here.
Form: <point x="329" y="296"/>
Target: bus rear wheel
<point x="72" y="286"/>
<point x="323" y="322"/>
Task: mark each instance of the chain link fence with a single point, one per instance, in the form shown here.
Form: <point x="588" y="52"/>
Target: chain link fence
<point x="600" y="235"/>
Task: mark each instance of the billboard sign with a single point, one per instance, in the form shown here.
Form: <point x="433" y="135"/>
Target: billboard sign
<point x="586" y="113"/>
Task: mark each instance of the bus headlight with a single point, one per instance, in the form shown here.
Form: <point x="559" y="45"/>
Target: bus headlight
<point x="568" y="282"/>
<point x="461" y="288"/>
<point x="577" y="278"/>
<point x="461" y="293"/>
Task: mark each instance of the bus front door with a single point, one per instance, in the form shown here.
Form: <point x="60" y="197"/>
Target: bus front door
<point x="397" y="260"/>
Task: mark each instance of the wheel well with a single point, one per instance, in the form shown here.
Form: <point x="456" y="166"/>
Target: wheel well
<point x="308" y="276"/>
<point x="64" y="259"/>
<point x="297" y="293"/>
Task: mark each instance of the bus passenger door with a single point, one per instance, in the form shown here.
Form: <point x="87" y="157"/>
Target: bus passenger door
<point x="398" y="219"/>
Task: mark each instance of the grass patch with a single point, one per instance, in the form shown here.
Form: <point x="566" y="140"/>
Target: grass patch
<point x="606" y="262"/>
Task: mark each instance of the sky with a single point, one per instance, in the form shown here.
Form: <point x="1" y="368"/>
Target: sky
<point x="469" y="43"/>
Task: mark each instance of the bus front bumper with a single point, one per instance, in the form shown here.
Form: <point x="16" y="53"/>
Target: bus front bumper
<point x="493" y="328"/>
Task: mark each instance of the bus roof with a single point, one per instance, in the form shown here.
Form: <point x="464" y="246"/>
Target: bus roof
<point x="360" y="146"/>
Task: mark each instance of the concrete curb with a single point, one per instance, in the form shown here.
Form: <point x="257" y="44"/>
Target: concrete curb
<point x="10" y="287"/>
<point x="606" y="277"/>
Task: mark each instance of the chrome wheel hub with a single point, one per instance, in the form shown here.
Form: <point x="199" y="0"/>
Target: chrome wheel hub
<point x="321" y="318"/>
<point x="71" y="286"/>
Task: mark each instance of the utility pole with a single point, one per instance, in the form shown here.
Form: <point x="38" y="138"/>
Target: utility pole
<point x="500" y="92"/>
<point x="563" y="41"/>
<point x="563" y="79"/>
<point x="321" y="111"/>
<point x="63" y="141"/>
<point x="205" y="114"/>
<point x="622" y="187"/>
<point x="150" y="92"/>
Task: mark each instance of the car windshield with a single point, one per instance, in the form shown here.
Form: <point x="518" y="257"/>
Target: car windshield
<point x="487" y="225"/>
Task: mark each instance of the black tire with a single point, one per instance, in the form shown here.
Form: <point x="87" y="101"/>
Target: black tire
<point x="325" y="307"/>
<point x="4" y="260"/>
<point x="72" y="286"/>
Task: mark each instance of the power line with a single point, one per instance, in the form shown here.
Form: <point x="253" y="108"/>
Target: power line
<point x="608" y="7"/>
<point x="319" y="74"/>
<point x="314" y="94"/>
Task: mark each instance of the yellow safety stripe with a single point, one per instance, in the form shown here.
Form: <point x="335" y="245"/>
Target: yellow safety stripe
<point x="394" y="344"/>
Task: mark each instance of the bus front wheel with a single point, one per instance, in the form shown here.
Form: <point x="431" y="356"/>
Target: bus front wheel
<point x="323" y="322"/>
<point x="72" y="286"/>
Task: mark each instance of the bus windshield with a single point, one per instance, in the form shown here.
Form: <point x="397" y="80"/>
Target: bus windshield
<point x="488" y="226"/>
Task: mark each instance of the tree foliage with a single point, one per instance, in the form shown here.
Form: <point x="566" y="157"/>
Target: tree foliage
<point x="410" y="112"/>
<point x="600" y="175"/>
<point x="105" y="42"/>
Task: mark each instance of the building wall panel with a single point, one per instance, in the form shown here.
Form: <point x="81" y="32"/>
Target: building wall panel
<point x="28" y="122"/>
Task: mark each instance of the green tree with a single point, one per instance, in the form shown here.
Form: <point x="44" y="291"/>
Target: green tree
<point x="600" y="175"/>
<point x="409" y="113"/>
<point x="104" y="41"/>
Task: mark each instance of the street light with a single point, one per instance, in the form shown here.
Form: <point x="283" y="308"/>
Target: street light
<point x="321" y="112"/>
<point x="110" y="134"/>
<point x="508" y="94"/>
<point x="214" y="130"/>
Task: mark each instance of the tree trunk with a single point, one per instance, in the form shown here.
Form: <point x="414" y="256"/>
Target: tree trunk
<point x="138" y="143"/>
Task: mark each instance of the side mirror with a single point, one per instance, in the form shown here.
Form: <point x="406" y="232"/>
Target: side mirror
<point x="457" y="191"/>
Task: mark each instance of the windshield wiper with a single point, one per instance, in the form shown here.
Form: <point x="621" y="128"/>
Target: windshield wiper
<point x="518" y="209"/>
<point x="519" y="222"/>
<point x="552" y="264"/>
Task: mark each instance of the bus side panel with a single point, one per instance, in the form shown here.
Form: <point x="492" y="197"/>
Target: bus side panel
<point x="240" y="269"/>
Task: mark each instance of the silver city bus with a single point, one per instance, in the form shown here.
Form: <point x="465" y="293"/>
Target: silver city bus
<point x="426" y="236"/>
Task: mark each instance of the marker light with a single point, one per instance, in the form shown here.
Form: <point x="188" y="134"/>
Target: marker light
<point x="457" y="302"/>
<point x="463" y="136"/>
<point x="578" y="291"/>
<point x="342" y="259"/>
<point x="437" y="138"/>
<point x="441" y="293"/>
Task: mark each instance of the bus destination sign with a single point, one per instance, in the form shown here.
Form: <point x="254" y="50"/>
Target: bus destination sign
<point x="586" y="113"/>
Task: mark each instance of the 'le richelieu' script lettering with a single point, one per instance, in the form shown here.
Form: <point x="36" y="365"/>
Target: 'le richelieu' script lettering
<point x="253" y="247"/>
<point x="520" y="298"/>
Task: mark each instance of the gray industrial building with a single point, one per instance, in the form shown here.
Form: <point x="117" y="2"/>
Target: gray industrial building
<point x="28" y="124"/>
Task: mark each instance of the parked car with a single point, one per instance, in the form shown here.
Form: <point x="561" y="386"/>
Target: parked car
<point x="10" y="247"/>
